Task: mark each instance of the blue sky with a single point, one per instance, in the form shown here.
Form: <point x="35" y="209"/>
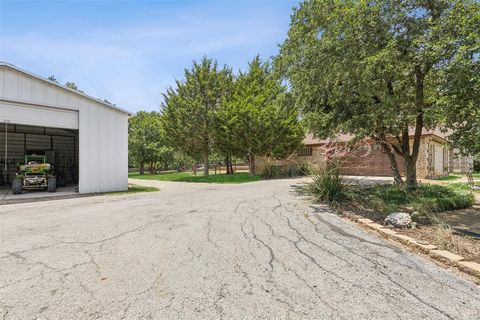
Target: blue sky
<point x="129" y="52"/>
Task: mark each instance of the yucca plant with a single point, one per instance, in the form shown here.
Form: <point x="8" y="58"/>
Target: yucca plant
<point x="327" y="186"/>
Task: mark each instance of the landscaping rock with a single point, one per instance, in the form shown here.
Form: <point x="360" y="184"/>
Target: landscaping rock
<point x="470" y="267"/>
<point x="365" y="221"/>
<point x="447" y="255"/>
<point x="399" y="219"/>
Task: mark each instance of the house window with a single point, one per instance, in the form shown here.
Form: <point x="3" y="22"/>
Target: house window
<point x="305" y="152"/>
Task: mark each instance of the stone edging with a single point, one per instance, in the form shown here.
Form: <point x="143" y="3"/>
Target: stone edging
<point x="447" y="257"/>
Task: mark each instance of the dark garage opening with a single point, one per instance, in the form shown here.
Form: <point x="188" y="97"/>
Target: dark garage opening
<point x="59" y="145"/>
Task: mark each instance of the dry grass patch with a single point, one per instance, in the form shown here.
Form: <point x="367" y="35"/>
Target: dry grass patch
<point x="445" y="238"/>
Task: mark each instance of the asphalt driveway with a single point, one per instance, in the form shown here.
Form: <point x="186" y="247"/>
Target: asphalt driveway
<point x="195" y="251"/>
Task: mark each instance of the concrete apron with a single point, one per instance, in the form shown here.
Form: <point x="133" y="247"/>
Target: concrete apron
<point x="7" y="197"/>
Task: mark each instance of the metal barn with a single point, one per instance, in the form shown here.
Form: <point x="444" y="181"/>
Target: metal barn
<point x="85" y="138"/>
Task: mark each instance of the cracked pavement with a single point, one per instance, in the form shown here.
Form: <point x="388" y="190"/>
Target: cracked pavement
<point x="195" y="251"/>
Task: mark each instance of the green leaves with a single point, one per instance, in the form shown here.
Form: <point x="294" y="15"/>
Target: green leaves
<point x="145" y="137"/>
<point x="190" y="108"/>
<point x="375" y="68"/>
<point x="210" y="110"/>
<point x="255" y="120"/>
<point x="357" y="59"/>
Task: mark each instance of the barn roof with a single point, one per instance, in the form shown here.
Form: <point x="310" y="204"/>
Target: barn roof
<point x="9" y="65"/>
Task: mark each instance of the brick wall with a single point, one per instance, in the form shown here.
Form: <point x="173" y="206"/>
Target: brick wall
<point x="372" y="160"/>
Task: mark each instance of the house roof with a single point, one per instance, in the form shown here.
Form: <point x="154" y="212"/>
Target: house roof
<point x="310" y="138"/>
<point x="9" y="65"/>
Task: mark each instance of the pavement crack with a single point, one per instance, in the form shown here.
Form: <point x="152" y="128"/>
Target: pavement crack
<point x="218" y="297"/>
<point x="209" y="233"/>
<point x="270" y="250"/>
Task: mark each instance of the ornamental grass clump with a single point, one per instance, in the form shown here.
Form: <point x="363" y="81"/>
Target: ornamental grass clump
<point x="271" y="171"/>
<point x="327" y="186"/>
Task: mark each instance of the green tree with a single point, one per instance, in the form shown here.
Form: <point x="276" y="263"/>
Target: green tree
<point x="376" y="68"/>
<point x="225" y="133"/>
<point x="165" y="157"/>
<point x="146" y="143"/>
<point x="53" y="78"/>
<point x="460" y="94"/>
<point x="257" y="120"/>
<point x="71" y="85"/>
<point x="190" y="108"/>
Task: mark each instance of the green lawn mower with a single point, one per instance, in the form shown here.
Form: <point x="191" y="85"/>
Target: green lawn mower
<point x="35" y="174"/>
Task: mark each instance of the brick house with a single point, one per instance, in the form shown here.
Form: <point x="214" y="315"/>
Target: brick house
<point x="436" y="157"/>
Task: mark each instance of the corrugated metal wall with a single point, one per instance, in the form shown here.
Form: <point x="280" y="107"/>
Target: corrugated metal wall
<point x="103" y="149"/>
<point x="103" y="130"/>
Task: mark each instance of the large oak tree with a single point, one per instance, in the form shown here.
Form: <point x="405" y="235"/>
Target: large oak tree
<point x="382" y="69"/>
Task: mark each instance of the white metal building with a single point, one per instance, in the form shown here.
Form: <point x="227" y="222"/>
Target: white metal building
<point x="89" y="137"/>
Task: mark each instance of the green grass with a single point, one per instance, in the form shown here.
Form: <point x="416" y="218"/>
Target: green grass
<point x="425" y="200"/>
<point x="449" y="177"/>
<point x="463" y="186"/>
<point x="133" y="188"/>
<point x="239" y="177"/>
<point x="452" y="177"/>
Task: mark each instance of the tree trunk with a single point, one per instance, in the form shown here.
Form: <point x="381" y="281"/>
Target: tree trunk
<point x="228" y="165"/>
<point x="231" y="165"/>
<point x="411" y="168"/>
<point x="142" y="167"/>
<point x="411" y="160"/>
<point x="252" y="164"/>
<point x="152" y="167"/>
<point x="227" y="168"/>
<point x="397" y="178"/>
<point x="205" y="164"/>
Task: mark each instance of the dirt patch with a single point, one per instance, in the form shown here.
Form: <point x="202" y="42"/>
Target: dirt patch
<point x="441" y="235"/>
<point x="446" y="239"/>
<point x="448" y="230"/>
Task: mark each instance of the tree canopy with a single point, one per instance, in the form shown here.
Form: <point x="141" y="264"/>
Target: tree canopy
<point x="146" y="139"/>
<point x="214" y="111"/>
<point x="71" y="85"/>
<point x="256" y="120"/>
<point x="381" y="69"/>
<point x="53" y="78"/>
<point x="190" y="108"/>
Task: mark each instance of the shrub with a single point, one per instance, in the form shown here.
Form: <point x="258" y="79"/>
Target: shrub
<point x="327" y="186"/>
<point x="476" y="164"/>
<point x="305" y="169"/>
<point x="438" y="198"/>
<point x="271" y="171"/>
<point x="425" y="200"/>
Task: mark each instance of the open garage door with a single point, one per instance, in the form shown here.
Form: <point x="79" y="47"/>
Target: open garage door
<point x="38" y="116"/>
<point x="59" y="145"/>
